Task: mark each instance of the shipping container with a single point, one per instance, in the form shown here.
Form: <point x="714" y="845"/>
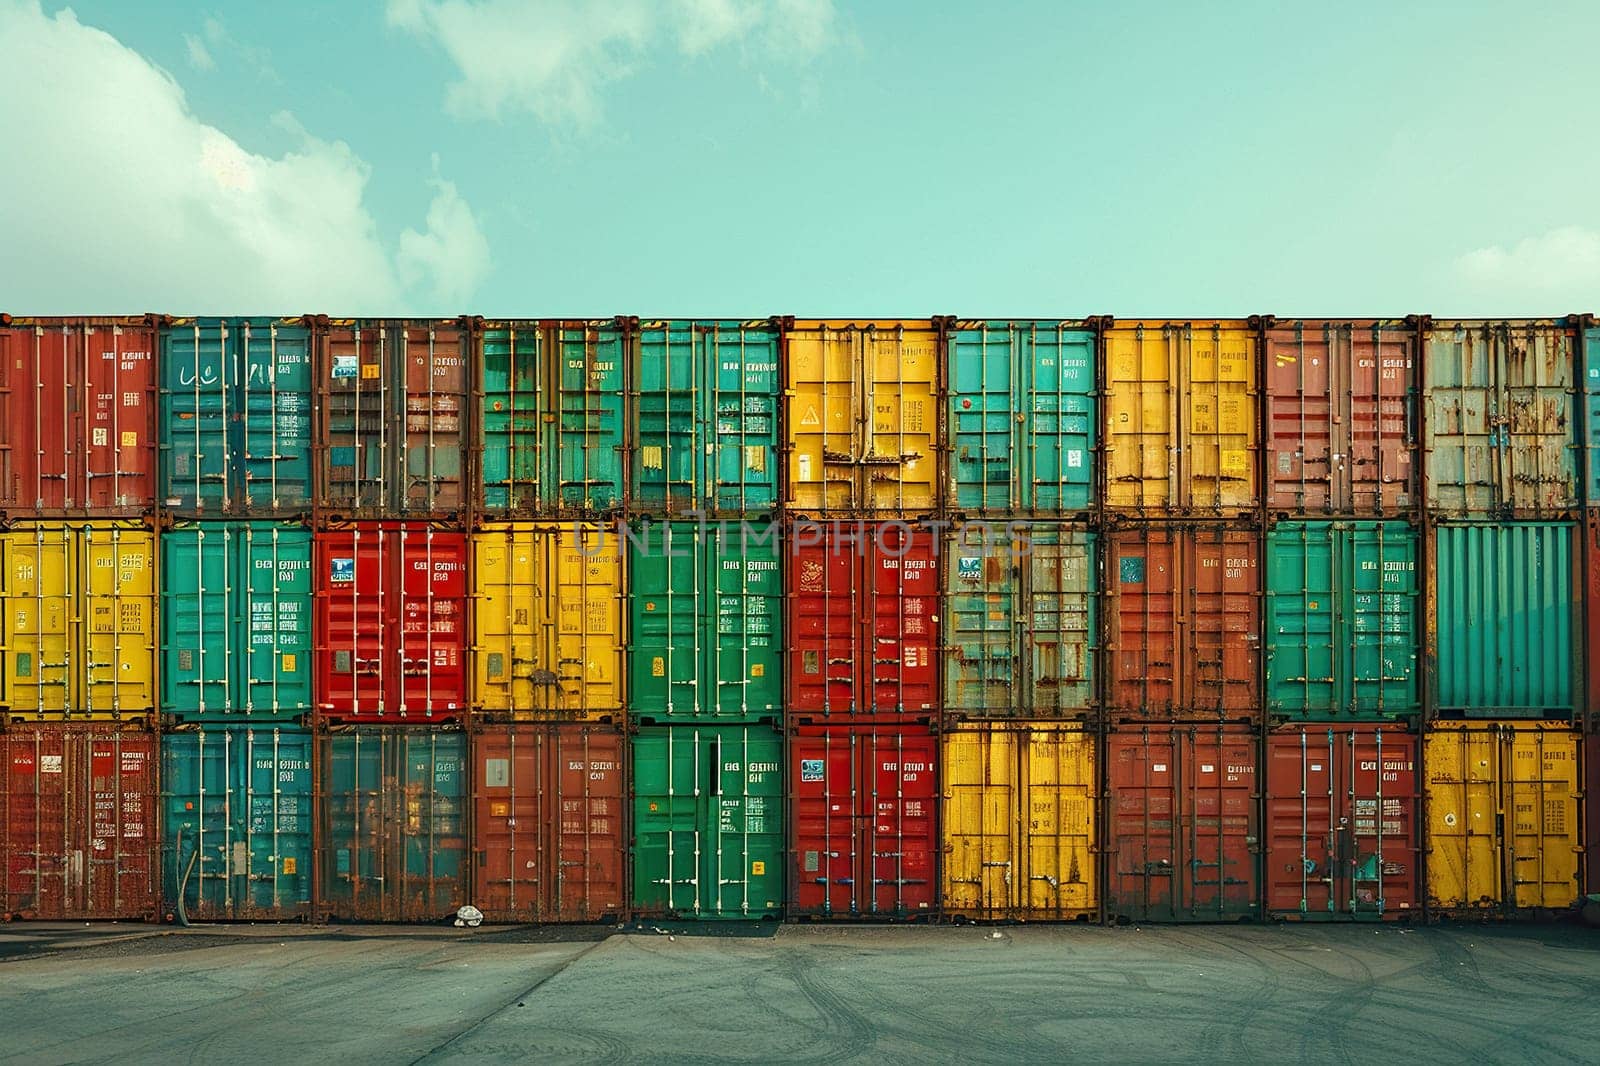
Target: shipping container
<point x="1591" y="410"/>
<point x="77" y="417"/>
<point x="1504" y="606"/>
<point x="391" y="632"/>
<point x="237" y="830"/>
<point x="1023" y="420"/>
<point x="552" y="436"/>
<point x="1182" y="835"/>
<point x="1589" y="561"/>
<point x="1183" y="622"/>
<point x="547" y="620"/>
<point x="79" y="822"/>
<point x="1589" y="815"/>
<point x="391" y="435"/>
<point x="863" y="619"/>
<point x="391" y="824"/>
<point x="1503" y="818"/>
<point x="706" y="607"/>
<point x="862" y="417"/>
<point x="1342" y="620"/>
<point x="704" y="408"/>
<point x="236" y="621"/>
<point x="1499" y="416"/>
<point x="80" y="621"/>
<point x="236" y="417"/>
<point x="1181" y="411"/>
<point x="549" y="807"/>
<point x="708" y="828"/>
<point x="1343" y="823"/>
<point x="1020" y="621"/>
<point x="1341" y="405"/>
<point x="863" y="806"/>
<point x="1019" y="822"/>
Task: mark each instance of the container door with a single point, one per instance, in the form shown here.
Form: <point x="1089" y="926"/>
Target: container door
<point x="1463" y="820"/>
<point x="358" y="402"/>
<point x="896" y="841"/>
<point x="119" y="855"/>
<point x="823" y="652"/>
<point x="41" y="467"/>
<point x="898" y="472"/>
<point x="353" y="631"/>
<point x="669" y="477"/>
<point x="196" y="419"/>
<point x="431" y="450"/>
<point x="1220" y="578"/>
<point x="826" y="802"/>
<point x="509" y="419"/>
<point x="1591" y="392"/>
<point x="1220" y="824"/>
<point x="115" y="440"/>
<point x="195" y="777"/>
<point x="1542" y="789"/>
<point x="986" y="390"/>
<point x="1142" y="445"/>
<point x="1537" y="462"/>
<point x="44" y="663"/>
<point x="272" y="436"/>
<point x="116" y="572"/>
<point x="506" y="634"/>
<point x="981" y="668"/>
<point x="585" y="446"/>
<point x="743" y="423"/>
<point x="428" y="675"/>
<point x="981" y="794"/>
<point x="667" y="583"/>
<point x="669" y="816"/>
<point x="744" y="589"/>
<point x="903" y="619"/>
<point x="1055" y="816"/>
<point x="590" y="847"/>
<point x="584" y="617"/>
<point x="38" y="849"/>
<point x="746" y="831"/>
<point x="1219" y="453"/>
<point x="1058" y="634"/>
<point x="272" y="791"/>
<point x="274" y="671"/>
<point x="1379" y="620"/>
<point x="203" y="622"/>
<point x="514" y="802"/>
<point x="1059" y="436"/>
<point x="823" y="416"/>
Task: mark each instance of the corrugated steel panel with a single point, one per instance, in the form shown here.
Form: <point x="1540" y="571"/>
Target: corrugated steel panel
<point x="1181" y="412"/>
<point x="863" y="803"/>
<point x="547" y="621"/>
<point x="548" y="837"/>
<point x="1590" y="816"/>
<point x="1503" y="817"/>
<point x="391" y="824"/>
<point x="704" y="409"/>
<point x="1019" y="822"/>
<point x="78" y="823"/>
<point x="1182" y="831"/>
<point x="1020" y="621"/>
<point x="237" y="830"/>
<point x="1341" y="417"/>
<point x="1343" y="822"/>
<point x="1591" y="412"/>
<point x="708" y="826"/>
<point x="80" y="621"/>
<point x="236" y="417"/>
<point x="236" y="621"/>
<point x="1342" y="620"/>
<point x="1505" y="605"/>
<point x="78" y="417"/>
<point x="862" y="413"/>
<point x="1499" y="416"/>
<point x="1589" y="561"/>
<point x="706" y="607"/>
<point x="1023" y="418"/>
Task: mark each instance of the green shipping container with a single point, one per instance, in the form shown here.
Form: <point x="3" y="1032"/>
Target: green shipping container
<point x="708" y="825"/>
<point x="237" y="823"/>
<point x="1342" y="634"/>
<point x="706" y="622"/>
<point x="236" y="621"/>
<point x="1591" y="413"/>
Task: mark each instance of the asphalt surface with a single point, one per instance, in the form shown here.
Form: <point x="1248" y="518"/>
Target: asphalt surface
<point x="801" y="994"/>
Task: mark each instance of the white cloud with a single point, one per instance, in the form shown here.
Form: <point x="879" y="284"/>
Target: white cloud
<point x="1561" y="266"/>
<point x="199" y="55"/>
<point x="453" y="256"/>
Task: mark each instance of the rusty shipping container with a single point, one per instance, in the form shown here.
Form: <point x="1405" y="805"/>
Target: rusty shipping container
<point x="1589" y="339"/>
<point x="1590" y="816"/>
<point x="78" y="823"/>
<point x="1340" y="415"/>
<point x="863" y="806"/>
<point x="78" y="417"/>
<point x="1183" y="622"/>
<point x="1343" y="823"/>
<point x="1182" y="836"/>
<point x="391" y="632"/>
<point x="549" y="803"/>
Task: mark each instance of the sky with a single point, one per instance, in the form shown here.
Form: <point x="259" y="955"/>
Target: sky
<point x="808" y="157"/>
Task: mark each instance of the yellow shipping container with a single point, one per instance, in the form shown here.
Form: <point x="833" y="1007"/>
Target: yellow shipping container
<point x="1181" y="410"/>
<point x="80" y="621"/>
<point x="862" y="411"/>
<point x="547" y="638"/>
<point x="1502" y="816"/>
<point x="1019" y="821"/>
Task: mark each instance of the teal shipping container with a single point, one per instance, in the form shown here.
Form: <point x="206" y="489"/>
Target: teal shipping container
<point x="236" y="417"/>
<point x="236" y="830"/>
<point x="704" y="412"/>
<point x="1022" y="417"/>
<point x="706" y="608"/>
<point x="1591" y="412"/>
<point x="1504" y="607"/>
<point x="1342" y="633"/>
<point x="551" y="421"/>
<point x="708" y="829"/>
<point x="392" y="843"/>
<point x="236" y="621"/>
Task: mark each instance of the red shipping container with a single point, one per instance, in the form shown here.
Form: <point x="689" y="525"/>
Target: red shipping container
<point x="863" y="619"/>
<point x="391" y="623"/>
<point x="1343" y="822"/>
<point x="1182" y="824"/>
<point x="1183" y="622"/>
<point x="863" y="836"/>
<point x="548" y="838"/>
<point x="1341" y="432"/>
<point x="78" y="417"/>
<point x="80" y="836"/>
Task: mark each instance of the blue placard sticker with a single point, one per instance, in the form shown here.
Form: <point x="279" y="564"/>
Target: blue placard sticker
<point x="341" y="571"/>
<point x="1131" y="571"/>
<point x="345" y="367"/>
<point x="811" y="769"/>
<point x="969" y="568"/>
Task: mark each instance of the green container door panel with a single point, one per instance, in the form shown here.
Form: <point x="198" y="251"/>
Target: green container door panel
<point x="665" y="625"/>
<point x="199" y="630"/>
<point x="277" y="613"/>
<point x="744" y="416"/>
<point x="668" y="469"/>
<point x="584" y="448"/>
<point x="747" y="650"/>
<point x="273" y="438"/>
<point x="1058" y="435"/>
<point x="1059" y="632"/>
<point x="1591" y="399"/>
<point x="196" y="379"/>
<point x="509" y="418"/>
<point x="1383" y="619"/>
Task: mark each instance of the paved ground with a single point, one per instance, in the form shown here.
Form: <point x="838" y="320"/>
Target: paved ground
<point x="801" y="994"/>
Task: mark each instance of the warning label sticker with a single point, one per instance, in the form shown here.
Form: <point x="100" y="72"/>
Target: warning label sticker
<point x="811" y="769"/>
<point x="342" y="571"/>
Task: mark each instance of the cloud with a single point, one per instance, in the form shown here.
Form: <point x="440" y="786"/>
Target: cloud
<point x="199" y="56"/>
<point x="452" y="257"/>
<point x="554" y="59"/>
<point x="1562" y="266"/>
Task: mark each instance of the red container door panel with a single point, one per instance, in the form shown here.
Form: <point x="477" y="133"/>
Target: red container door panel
<point x="825" y="794"/>
<point x="436" y="374"/>
<point x="591" y="844"/>
<point x="901" y="839"/>
<point x="351" y="611"/>
<point x="822" y="621"/>
<point x="1225" y="622"/>
<point x="432" y="625"/>
<point x="905" y="610"/>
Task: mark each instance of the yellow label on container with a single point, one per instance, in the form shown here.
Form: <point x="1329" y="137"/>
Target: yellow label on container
<point x="758" y="669"/>
<point x="290" y="865"/>
<point x="658" y="666"/>
<point x="130" y="438"/>
<point x="757" y="868"/>
<point x="288" y="662"/>
<point x="370" y="371"/>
